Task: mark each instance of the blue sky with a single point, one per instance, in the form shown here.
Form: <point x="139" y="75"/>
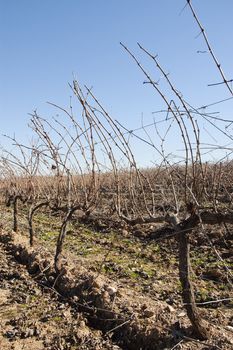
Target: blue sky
<point x="44" y="43"/>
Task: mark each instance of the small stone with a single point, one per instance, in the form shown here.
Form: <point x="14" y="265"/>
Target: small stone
<point x="111" y="290"/>
<point x="170" y="308"/>
<point x="229" y="328"/>
<point x="148" y="313"/>
<point x="125" y="233"/>
<point x="181" y="314"/>
<point x="82" y="324"/>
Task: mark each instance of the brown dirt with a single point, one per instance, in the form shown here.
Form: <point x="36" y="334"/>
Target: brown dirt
<point x="33" y="317"/>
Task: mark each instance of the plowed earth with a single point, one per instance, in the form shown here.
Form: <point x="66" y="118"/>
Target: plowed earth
<point x="132" y="302"/>
<point x="33" y="317"/>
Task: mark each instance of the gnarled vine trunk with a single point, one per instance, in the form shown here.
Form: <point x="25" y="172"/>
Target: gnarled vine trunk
<point x="15" y="213"/>
<point x="61" y="238"/>
<point x="31" y="213"/>
<point x="198" y="324"/>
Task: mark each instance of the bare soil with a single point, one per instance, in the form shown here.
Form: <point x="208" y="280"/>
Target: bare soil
<point x="33" y="317"/>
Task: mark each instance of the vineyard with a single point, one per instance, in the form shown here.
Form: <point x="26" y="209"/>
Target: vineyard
<point x="98" y="252"/>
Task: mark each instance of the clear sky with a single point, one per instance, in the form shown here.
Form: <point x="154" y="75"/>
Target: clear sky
<point x="43" y="43"/>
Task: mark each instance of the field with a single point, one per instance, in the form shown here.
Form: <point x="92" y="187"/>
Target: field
<point x="118" y="286"/>
<point x="137" y="258"/>
<point x="102" y="250"/>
